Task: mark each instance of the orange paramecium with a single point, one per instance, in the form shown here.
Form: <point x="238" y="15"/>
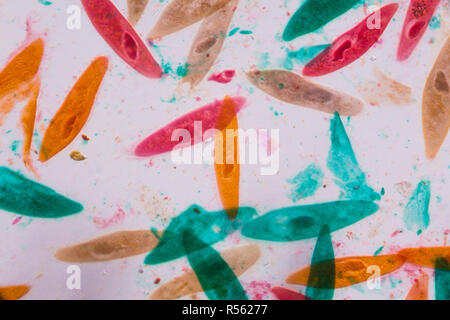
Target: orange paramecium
<point x="353" y="270"/>
<point x="73" y="114"/>
<point x="22" y="68"/>
<point x="19" y="82"/>
<point x="419" y="290"/>
<point x="13" y="292"/>
<point x="227" y="159"/>
<point x="426" y="257"/>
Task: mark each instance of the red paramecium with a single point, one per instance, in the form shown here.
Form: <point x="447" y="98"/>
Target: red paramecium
<point x="353" y="44"/>
<point x="416" y="22"/>
<point x="121" y="37"/>
<point x="210" y="116"/>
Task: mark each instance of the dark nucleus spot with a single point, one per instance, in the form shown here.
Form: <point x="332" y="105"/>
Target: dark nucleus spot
<point x="130" y="46"/>
<point x="68" y="126"/>
<point x="339" y="52"/>
<point x="415" y="29"/>
<point x="205" y="44"/>
<point x="302" y="223"/>
<point x="354" y="265"/>
<point x="228" y="170"/>
<point x="440" y="82"/>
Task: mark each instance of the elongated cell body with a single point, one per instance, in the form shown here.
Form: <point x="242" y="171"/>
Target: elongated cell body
<point x="416" y="23"/>
<point x="292" y="88"/>
<point x="305" y="222"/>
<point x="26" y="197"/>
<point x="227" y="165"/>
<point x="208" y="43"/>
<point x="121" y="37"/>
<point x="207" y="117"/>
<point x="21" y="69"/>
<point x="74" y="112"/>
<point x="353" y="44"/>
<point x="113" y="246"/>
<point x="351" y="270"/>
<point x="180" y="14"/>
<point x="314" y="14"/>
<point x="436" y="103"/>
<point x="239" y="259"/>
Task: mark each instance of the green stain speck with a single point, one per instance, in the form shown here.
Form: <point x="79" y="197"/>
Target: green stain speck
<point x="14" y="145"/>
<point x="378" y="251"/>
<point x="416" y="216"/>
<point x="182" y="70"/>
<point x="306" y="183"/>
<point x="306" y="54"/>
<point x="264" y="60"/>
<point x="435" y="22"/>
<point x="233" y="32"/>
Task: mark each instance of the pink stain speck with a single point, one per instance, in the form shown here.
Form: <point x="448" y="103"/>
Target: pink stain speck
<point x="223" y="77"/>
<point x="258" y="290"/>
<point x="16" y="220"/>
<point x="117" y="218"/>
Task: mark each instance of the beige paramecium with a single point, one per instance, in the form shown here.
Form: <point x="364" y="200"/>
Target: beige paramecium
<point x="239" y="259"/>
<point x="113" y="246"/>
<point x="180" y="14"/>
<point x="292" y="88"/>
<point x="208" y="43"/>
<point x="436" y="103"/>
